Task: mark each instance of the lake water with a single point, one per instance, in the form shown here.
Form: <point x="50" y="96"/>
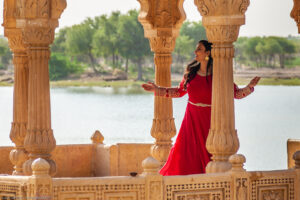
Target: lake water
<point x="265" y="120"/>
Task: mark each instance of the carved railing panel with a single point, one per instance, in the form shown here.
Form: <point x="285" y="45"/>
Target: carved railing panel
<point x="273" y="188"/>
<point x="75" y="191"/>
<point x="276" y="185"/>
<point x="11" y="191"/>
<point x="199" y="188"/>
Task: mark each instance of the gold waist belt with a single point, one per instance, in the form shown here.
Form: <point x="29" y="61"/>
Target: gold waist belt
<point x="200" y="104"/>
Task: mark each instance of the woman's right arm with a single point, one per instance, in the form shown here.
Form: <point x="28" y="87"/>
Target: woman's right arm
<point x="165" y="91"/>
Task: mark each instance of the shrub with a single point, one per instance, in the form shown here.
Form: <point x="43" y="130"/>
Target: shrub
<point x="61" y="66"/>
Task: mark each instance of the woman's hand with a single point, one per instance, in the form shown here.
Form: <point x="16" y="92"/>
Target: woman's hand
<point x="150" y="87"/>
<point x="254" y="82"/>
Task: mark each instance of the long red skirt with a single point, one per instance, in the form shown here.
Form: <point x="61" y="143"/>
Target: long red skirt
<point x="189" y="154"/>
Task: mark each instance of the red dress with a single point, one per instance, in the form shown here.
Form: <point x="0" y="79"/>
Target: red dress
<point x="189" y="154"/>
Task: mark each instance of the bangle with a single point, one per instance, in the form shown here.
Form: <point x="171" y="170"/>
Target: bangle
<point x="251" y="88"/>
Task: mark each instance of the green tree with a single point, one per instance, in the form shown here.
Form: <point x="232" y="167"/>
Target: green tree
<point x="79" y="41"/>
<point x="59" y="43"/>
<point x="250" y="50"/>
<point x="184" y="47"/>
<point x="127" y="26"/>
<point x="240" y="56"/>
<point x="190" y="34"/>
<point x="5" y="53"/>
<point x="133" y="45"/>
<point x="61" y="66"/>
<point x="194" y="30"/>
<point x="265" y="51"/>
<point x="287" y="48"/>
<point x="106" y="39"/>
<point x="272" y="48"/>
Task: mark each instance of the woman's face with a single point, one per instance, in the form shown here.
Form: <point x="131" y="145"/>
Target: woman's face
<point x="201" y="53"/>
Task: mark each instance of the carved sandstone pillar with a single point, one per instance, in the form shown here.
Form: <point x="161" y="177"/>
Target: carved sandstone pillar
<point x="295" y="13"/>
<point x="18" y="130"/>
<point x="222" y="20"/>
<point x="162" y="20"/>
<point x="38" y="20"/>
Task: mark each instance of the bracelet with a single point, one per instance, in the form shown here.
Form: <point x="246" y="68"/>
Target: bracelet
<point x="251" y="88"/>
<point x="159" y="91"/>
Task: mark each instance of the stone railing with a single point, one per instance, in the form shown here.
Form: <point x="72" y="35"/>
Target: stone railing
<point x="109" y="188"/>
<point x="236" y="184"/>
<point x="96" y="159"/>
<point x="13" y="187"/>
<point x="277" y="185"/>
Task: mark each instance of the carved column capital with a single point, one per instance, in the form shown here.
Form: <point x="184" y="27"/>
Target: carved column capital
<point x="43" y="9"/>
<point x="161" y="20"/>
<point x="15" y="39"/>
<point x="222" y="19"/>
<point x="221" y="7"/>
<point x="222" y="33"/>
<point x="295" y="13"/>
<point x="34" y="36"/>
<point x="38" y="19"/>
<point x="162" y="44"/>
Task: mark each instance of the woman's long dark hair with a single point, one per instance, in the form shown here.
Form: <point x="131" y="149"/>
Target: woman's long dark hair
<point x="194" y="66"/>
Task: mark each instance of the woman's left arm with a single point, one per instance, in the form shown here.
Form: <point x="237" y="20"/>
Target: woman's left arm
<point x="240" y="93"/>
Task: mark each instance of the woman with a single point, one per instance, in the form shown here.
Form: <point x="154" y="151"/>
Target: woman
<point x="189" y="154"/>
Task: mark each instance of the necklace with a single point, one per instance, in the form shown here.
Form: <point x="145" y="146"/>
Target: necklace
<point x="203" y="73"/>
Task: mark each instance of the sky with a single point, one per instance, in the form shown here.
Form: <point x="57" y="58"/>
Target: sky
<point x="263" y="17"/>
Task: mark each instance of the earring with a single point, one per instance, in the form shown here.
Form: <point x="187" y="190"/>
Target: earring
<point x="206" y="58"/>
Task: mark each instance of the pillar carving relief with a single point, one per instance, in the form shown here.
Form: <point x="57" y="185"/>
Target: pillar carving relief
<point x="222" y="20"/>
<point x="37" y="19"/>
<point x="20" y="103"/>
<point x="162" y="20"/>
<point x="295" y="13"/>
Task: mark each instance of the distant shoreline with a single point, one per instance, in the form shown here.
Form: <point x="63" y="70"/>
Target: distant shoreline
<point x="131" y="83"/>
<point x="289" y="77"/>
